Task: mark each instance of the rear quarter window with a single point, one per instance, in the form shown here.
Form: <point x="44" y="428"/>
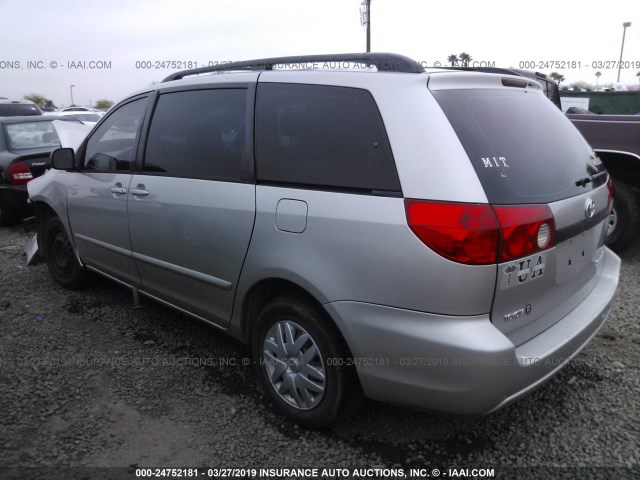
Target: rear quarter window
<point x="522" y="147"/>
<point x="322" y="136"/>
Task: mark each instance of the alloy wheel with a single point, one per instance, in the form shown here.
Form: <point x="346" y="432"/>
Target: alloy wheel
<point x="294" y="365"/>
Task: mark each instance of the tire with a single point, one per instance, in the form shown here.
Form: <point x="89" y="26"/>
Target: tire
<point x="624" y="222"/>
<point x="60" y="256"/>
<point x="296" y="369"/>
<point x="8" y="217"/>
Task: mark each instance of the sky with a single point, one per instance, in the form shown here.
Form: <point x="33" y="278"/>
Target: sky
<point x="108" y="49"/>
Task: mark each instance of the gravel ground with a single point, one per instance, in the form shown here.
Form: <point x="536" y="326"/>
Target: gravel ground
<point x="87" y="380"/>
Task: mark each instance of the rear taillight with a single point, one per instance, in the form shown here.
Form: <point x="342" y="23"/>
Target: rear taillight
<point x="19" y="173"/>
<point x="612" y="193"/>
<point x="526" y="229"/>
<point x="479" y="234"/>
<point x="464" y="233"/>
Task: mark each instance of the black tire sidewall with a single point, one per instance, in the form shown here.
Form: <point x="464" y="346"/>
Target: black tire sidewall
<point x="330" y="344"/>
<point x="75" y="278"/>
<point x="628" y="218"/>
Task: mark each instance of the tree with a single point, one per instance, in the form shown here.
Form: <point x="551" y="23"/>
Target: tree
<point x="581" y="85"/>
<point x="638" y="75"/>
<point x="598" y="75"/>
<point x="39" y="100"/>
<point x="558" y="77"/>
<point x="465" y="58"/>
<point x="453" y="60"/>
<point x="103" y="104"/>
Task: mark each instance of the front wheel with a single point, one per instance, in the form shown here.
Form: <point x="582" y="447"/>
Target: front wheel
<point x="304" y="365"/>
<point x="60" y="255"/>
<point x="624" y="221"/>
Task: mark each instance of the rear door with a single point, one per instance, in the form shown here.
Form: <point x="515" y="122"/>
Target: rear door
<point x="527" y="155"/>
<point x="192" y="206"/>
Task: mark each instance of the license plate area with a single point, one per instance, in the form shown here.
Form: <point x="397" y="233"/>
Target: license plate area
<point x="575" y="254"/>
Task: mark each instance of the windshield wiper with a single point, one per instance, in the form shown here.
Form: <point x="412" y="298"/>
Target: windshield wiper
<point x="582" y="182"/>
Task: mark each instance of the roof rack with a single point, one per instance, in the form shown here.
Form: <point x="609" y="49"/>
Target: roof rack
<point x="384" y="62"/>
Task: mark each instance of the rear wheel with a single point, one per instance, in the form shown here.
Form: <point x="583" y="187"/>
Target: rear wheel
<point x="304" y="365"/>
<point x="624" y="221"/>
<point x="60" y="255"/>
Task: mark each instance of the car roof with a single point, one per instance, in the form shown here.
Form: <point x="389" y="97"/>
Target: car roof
<point x="28" y="118"/>
<point x="389" y="68"/>
<point x="18" y="101"/>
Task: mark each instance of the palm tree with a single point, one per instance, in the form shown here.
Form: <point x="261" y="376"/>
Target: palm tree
<point x="453" y="60"/>
<point x="598" y="75"/>
<point x="558" y="77"/>
<point x="465" y="58"/>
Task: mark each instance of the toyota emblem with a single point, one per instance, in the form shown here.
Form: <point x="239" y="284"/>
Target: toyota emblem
<point x="589" y="208"/>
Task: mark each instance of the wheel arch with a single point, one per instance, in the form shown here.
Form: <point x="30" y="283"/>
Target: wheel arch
<point x="623" y="166"/>
<point x="43" y="212"/>
<point x="264" y="291"/>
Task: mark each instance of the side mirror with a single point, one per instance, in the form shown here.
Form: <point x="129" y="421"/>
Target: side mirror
<point x="63" y="159"/>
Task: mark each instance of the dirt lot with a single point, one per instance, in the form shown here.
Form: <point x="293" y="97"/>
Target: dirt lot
<point x="88" y="381"/>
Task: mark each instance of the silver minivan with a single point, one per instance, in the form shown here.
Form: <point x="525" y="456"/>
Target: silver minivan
<point x="433" y="239"/>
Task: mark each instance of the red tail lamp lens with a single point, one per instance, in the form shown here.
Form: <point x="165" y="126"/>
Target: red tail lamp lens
<point x="19" y="173"/>
<point x="464" y="233"/>
<point x="526" y="229"/>
<point x="481" y="234"/>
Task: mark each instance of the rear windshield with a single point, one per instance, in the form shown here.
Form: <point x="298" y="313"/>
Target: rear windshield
<point x="18" y="109"/>
<point x="31" y="135"/>
<point x="522" y="147"/>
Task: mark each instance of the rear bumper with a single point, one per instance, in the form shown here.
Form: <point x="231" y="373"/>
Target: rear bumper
<point x="463" y="365"/>
<point x="15" y="196"/>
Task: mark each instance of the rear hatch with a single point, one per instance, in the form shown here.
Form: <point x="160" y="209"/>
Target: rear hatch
<point x="547" y="188"/>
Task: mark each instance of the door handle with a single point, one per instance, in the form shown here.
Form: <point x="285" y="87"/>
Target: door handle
<point x="139" y="191"/>
<point x="118" y="190"/>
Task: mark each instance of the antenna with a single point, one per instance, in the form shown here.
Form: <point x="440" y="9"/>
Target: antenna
<point x="365" y="20"/>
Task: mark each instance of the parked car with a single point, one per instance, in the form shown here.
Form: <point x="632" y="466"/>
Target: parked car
<point x="77" y="109"/>
<point x="88" y="118"/>
<point x="25" y="145"/>
<point x="434" y="240"/>
<point x="13" y="108"/>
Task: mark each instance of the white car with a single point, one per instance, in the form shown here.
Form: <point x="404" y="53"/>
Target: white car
<point x="88" y="118"/>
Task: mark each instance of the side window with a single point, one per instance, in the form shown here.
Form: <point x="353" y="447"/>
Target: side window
<point x="198" y="134"/>
<point x="322" y="136"/>
<point x="112" y="146"/>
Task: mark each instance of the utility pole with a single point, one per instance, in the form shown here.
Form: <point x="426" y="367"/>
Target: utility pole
<point x="365" y="20"/>
<point x="624" y="31"/>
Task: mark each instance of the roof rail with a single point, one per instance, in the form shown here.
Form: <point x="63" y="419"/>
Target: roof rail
<point x="384" y="62"/>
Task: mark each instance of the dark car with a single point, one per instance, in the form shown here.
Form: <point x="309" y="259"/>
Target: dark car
<point x="13" y="108"/>
<point x="25" y="145"/>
